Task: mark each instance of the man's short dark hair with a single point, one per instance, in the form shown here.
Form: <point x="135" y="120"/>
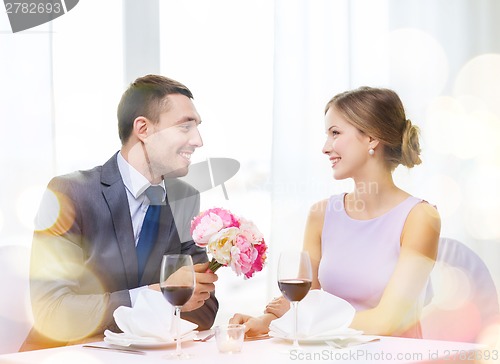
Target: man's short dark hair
<point x="146" y="96"/>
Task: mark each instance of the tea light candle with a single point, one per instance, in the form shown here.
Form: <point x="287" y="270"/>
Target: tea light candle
<point x="229" y="345"/>
<point x="229" y="338"/>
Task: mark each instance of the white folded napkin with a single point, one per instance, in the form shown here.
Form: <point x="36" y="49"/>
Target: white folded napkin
<point x="149" y="321"/>
<point x="320" y="314"/>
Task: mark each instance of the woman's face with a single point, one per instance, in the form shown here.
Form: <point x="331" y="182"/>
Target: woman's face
<point x="346" y="146"/>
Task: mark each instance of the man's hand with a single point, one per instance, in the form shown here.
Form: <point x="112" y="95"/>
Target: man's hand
<point x="155" y="287"/>
<point x="204" y="285"/>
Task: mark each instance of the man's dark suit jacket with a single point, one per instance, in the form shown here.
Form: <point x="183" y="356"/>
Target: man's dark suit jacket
<point x="85" y="263"/>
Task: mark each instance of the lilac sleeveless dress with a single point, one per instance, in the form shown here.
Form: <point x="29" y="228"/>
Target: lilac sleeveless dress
<point x="359" y="256"/>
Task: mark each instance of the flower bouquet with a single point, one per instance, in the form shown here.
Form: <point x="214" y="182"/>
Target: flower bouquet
<point x="230" y="240"/>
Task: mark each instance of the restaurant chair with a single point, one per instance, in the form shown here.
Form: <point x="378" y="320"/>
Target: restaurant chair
<point x="464" y="298"/>
<point x="15" y="308"/>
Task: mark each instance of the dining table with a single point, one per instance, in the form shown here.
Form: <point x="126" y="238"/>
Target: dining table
<point x="382" y="349"/>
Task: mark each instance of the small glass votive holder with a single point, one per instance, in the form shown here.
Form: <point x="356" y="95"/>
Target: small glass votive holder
<point x="229" y="338"/>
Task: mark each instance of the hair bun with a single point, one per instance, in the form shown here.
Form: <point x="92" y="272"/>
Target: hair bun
<point x="410" y="147"/>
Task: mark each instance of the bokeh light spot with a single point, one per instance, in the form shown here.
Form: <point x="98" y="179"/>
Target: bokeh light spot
<point x="51" y="211"/>
<point x="491" y="336"/>
<point x="27" y="205"/>
<point x="443" y="120"/>
<point x="462" y="127"/>
<point x="57" y="213"/>
<point x="461" y="324"/>
<point x="445" y="194"/>
<point x="452" y="314"/>
<point x="66" y="325"/>
<point x="480" y="77"/>
<point x="416" y="56"/>
<point x="452" y="287"/>
<point x="482" y="202"/>
<point x="1" y="221"/>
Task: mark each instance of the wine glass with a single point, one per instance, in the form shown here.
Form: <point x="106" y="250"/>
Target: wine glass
<point x="177" y="281"/>
<point x="294" y="281"/>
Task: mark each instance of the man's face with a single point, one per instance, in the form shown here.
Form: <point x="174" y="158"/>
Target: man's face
<point x="172" y="141"/>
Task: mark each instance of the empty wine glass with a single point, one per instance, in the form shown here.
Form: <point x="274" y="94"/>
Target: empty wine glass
<point x="294" y="281"/>
<point x="177" y="281"/>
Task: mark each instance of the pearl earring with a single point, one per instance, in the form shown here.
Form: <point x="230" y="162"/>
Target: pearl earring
<point x="371" y="151"/>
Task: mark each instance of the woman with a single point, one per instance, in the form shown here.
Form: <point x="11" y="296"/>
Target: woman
<point x="374" y="246"/>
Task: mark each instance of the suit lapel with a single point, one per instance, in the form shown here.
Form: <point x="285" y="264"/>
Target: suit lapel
<point x="115" y="194"/>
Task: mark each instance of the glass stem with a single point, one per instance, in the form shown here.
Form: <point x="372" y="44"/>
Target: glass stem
<point x="178" y="350"/>
<point x="295" y="324"/>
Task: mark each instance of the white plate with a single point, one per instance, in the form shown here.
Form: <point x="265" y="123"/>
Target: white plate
<point x="146" y="344"/>
<point x="343" y="334"/>
<point x="142" y="345"/>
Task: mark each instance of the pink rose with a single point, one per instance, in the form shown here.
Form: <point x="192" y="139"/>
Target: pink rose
<point x="251" y="231"/>
<point x="228" y="219"/>
<point x="210" y="222"/>
<point x="242" y="255"/>
<point x="230" y="240"/>
<point x="208" y="225"/>
<point x="258" y="263"/>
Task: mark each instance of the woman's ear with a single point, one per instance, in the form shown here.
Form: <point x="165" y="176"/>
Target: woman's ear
<point x="373" y="143"/>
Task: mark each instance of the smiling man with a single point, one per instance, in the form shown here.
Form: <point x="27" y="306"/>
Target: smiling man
<point x="88" y="254"/>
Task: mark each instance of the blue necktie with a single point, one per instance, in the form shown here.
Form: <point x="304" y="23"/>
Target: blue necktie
<point x="149" y="230"/>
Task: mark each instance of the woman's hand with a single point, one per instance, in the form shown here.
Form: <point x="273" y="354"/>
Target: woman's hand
<point x="254" y="326"/>
<point x="278" y="306"/>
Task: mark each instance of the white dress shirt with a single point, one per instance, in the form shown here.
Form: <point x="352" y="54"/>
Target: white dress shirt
<point x="135" y="185"/>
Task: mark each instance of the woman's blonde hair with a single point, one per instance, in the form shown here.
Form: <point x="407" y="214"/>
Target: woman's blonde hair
<point x="379" y="113"/>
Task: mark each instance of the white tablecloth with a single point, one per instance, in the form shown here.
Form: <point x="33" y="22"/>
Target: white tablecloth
<point x="386" y="350"/>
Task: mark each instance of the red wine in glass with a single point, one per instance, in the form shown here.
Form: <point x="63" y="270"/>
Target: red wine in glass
<point x="177" y="295"/>
<point x="177" y="282"/>
<point x="294" y="281"/>
<point x="294" y="289"/>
